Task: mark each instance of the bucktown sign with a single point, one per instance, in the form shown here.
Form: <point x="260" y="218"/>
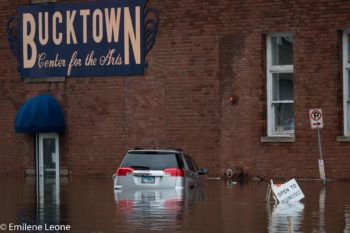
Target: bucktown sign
<point x="83" y="39"/>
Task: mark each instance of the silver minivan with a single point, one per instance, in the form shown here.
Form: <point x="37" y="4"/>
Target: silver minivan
<point x="151" y="168"/>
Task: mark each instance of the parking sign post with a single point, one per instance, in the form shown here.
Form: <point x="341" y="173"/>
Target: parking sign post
<point x="319" y="143"/>
<point x="316" y="120"/>
<point x="320" y="161"/>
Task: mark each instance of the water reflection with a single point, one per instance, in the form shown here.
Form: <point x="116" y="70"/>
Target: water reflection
<point x="48" y="192"/>
<point x="91" y="206"/>
<point x="321" y="212"/>
<point x="286" y="217"/>
<point x="45" y="213"/>
<point x="155" y="209"/>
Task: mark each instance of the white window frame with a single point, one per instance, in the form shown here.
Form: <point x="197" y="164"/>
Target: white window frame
<point x="273" y="69"/>
<point x="346" y="69"/>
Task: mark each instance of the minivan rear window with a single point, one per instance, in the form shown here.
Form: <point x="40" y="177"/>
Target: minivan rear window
<point x="149" y="161"/>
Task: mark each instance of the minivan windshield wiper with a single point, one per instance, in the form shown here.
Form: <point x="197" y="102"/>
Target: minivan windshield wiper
<point x="140" y="167"/>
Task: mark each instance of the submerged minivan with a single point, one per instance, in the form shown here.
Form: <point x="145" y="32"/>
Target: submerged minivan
<point x="158" y="168"/>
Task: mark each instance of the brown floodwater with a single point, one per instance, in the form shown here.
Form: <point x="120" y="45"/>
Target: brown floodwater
<point x="91" y="205"/>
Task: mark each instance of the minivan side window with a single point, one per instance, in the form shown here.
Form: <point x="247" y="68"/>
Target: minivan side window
<point x="179" y="161"/>
<point x="192" y="166"/>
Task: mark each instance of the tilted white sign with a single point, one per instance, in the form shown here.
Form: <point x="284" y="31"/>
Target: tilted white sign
<point x="288" y="192"/>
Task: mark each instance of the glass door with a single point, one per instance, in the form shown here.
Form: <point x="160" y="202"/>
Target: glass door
<point x="48" y="168"/>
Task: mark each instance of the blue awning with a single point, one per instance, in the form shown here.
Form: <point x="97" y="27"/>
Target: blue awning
<point x="40" y="114"/>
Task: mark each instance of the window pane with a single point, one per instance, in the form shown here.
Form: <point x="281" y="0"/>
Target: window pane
<point x="151" y="161"/>
<point x="282" y="50"/>
<point x="189" y="163"/>
<point x="348" y="96"/>
<point x="282" y="86"/>
<point x="348" y="115"/>
<point x="194" y="165"/>
<point x="284" y="117"/>
<point x="348" y="48"/>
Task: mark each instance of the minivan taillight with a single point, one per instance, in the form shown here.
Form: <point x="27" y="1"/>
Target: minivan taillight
<point x="174" y="171"/>
<point x="123" y="171"/>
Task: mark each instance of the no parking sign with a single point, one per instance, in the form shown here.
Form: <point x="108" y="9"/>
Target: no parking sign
<point x="316" y="118"/>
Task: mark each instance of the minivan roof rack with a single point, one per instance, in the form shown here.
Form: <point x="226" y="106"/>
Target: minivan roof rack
<point x="166" y="148"/>
<point x="174" y="148"/>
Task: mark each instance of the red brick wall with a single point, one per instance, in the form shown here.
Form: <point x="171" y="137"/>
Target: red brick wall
<point x="318" y="83"/>
<point x="16" y="151"/>
<point x="206" y="52"/>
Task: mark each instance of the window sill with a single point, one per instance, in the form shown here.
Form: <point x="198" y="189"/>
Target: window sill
<point x="268" y="139"/>
<point x="343" y="139"/>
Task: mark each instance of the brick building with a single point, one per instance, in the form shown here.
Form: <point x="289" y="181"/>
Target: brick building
<point x="230" y="82"/>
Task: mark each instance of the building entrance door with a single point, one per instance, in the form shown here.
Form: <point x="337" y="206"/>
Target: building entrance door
<point x="49" y="155"/>
<point x="48" y="168"/>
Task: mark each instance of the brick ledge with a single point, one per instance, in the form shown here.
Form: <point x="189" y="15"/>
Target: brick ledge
<point x="64" y="171"/>
<point x="268" y="139"/>
<point x="45" y="80"/>
<point x="343" y="139"/>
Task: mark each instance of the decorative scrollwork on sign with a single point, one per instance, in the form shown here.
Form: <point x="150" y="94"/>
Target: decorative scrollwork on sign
<point x="13" y="35"/>
<point x="151" y="27"/>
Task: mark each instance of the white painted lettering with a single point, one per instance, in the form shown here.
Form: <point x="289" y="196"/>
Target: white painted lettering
<point x="43" y="39"/>
<point x="130" y="35"/>
<point x="28" y="41"/>
<point x="56" y="37"/>
<point x="97" y="34"/>
<point x="112" y="24"/>
<point x="84" y="14"/>
<point x="70" y="27"/>
<point x="110" y="59"/>
<point x="44" y="63"/>
<point x="74" y="62"/>
<point x="90" y="60"/>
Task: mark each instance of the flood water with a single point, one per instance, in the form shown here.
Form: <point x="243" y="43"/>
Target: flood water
<point x="91" y="205"/>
